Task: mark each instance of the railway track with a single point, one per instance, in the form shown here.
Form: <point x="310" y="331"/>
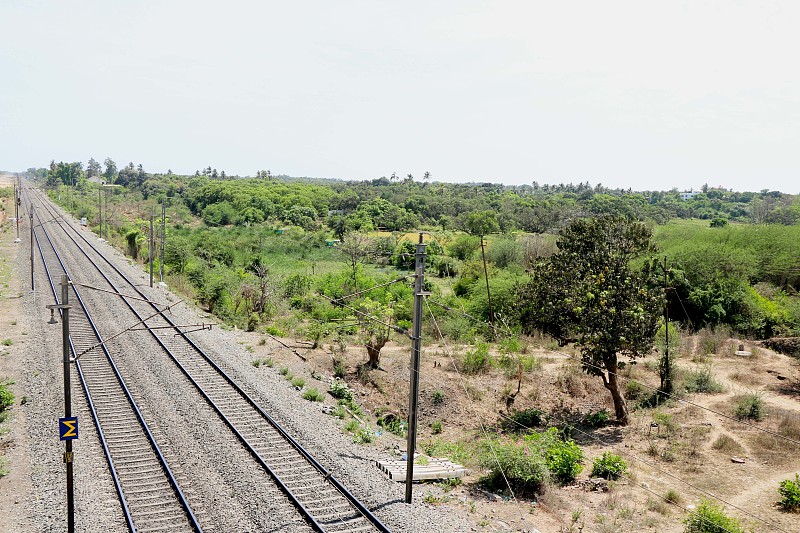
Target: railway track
<point x="149" y="494"/>
<point x="322" y="500"/>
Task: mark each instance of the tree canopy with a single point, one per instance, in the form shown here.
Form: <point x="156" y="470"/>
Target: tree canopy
<point x="592" y="293"/>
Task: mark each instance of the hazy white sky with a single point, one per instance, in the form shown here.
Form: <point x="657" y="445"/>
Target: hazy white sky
<point x="649" y="95"/>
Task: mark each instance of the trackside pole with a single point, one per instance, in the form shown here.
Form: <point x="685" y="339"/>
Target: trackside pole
<point x="416" y="340"/>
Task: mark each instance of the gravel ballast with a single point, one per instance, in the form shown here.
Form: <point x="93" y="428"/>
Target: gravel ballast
<point x="225" y="487"/>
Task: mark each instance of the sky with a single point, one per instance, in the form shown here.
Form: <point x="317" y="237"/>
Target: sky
<point x="641" y="94"/>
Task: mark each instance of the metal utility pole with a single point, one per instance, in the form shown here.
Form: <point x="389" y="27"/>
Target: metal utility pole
<point x="16" y="209"/>
<point x="100" y="209"/>
<point x="30" y="212"/>
<point x="68" y="425"/>
<point x="416" y="342"/>
<point x="488" y="292"/>
<point x="163" y="240"/>
<point x="152" y="215"/>
<point x="666" y="378"/>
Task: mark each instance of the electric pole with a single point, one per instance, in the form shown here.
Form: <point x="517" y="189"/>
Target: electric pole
<point x="100" y="209"/>
<point x="163" y="239"/>
<point x="488" y="292"/>
<point x="152" y="215"/>
<point x="16" y="208"/>
<point x="416" y="342"/>
<point x="30" y="212"/>
<point x="68" y="426"/>
<point x="666" y="378"/>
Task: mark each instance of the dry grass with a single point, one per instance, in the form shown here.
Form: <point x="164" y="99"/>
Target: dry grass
<point x="727" y="444"/>
<point x="746" y="377"/>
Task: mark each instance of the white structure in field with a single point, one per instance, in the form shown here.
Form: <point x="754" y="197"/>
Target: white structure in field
<point x="688" y="195"/>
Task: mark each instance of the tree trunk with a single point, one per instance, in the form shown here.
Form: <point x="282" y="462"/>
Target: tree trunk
<point x="374" y="347"/>
<point x="611" y="383"/>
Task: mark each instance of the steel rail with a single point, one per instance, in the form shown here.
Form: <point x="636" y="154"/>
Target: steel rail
<point x="327" y="475"/>
<point x="101" y="434"/>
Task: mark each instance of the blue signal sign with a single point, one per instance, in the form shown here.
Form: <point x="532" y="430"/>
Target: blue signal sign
<point x="68" y="428"/>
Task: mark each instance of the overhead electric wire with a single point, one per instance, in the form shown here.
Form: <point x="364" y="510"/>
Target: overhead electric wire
<point x="480" y="419"/>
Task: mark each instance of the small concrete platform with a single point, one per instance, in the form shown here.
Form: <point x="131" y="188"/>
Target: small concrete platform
<point x="437" y="468"/>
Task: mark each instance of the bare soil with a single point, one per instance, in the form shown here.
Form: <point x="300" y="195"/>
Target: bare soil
<point x="14" y="450"/>
<point x="680" y="454"/>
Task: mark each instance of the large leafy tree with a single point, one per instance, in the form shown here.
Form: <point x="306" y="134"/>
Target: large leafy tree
<point x="595" y="293"/>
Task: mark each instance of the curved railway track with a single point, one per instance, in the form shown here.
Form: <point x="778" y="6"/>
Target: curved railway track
<point x="323" y="501"/>
<point x="149" y="495"/>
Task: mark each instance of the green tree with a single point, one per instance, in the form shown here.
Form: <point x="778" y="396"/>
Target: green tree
<point x="591" y="294"/>
<point x="93" y="168"/>
<point x="482" y="223"/>
<point x="64" y="173"/>
<point x="110" y="172"/>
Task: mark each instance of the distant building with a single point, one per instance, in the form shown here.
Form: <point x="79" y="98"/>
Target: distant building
<point x="688" y="195"/>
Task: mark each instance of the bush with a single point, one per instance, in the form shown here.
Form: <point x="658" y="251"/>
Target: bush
<point x="524" y="420"/>
<point x="313" y="395"/>
<point x="437" y="397"/>
<point x="340" y="390"/>
<point x="596" y="419"/>
<point x="790" y="494"/>
<point x="6" y="397"/>
<point x="392" y="424"/>
<point x="436" y="427"/>
<point x="364" y="436"/>
<point x="708" y="518"/>
<point x="298" y="382"/>
<point x="528" y="464"/>
<point x="750" y="407"/>
<point x="609" y="466"/>
<point x="702" y="381"/>
<point x="477" y="360"/>
<point x="564" y="461"/>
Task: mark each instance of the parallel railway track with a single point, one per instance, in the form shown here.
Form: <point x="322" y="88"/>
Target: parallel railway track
<point x="321" y="499"/>
<point x="150" y="497"/>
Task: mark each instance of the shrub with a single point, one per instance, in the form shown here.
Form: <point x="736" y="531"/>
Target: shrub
<point x="339" y="369"/>
<point x="790" y="494"/>
<point x="298" y="382"/>
<point x="340" y="390"/>
<point x="284" y="371"/>
<point x="436" y="427"/>
<point x="609" y="466"/>
<point x="275" y="331"/>
<point x="672" y="496"/>
<point x="437" y="397"/>
<point x="524" y="420"/>
<point x="727" y="444"/>
<point x="596" y="419"/>
<point x="477" y="360"/>
<point x="364" y="436"/>
<point x="526" y="472"/>
<point x="258" y="362"/>
<point x="702" y="381"/>
<point x="529" y="463"/>
<point x="352" y="426"/>
<point x="564" y="461"/>
<point x="634" y="390"/>
<point x="8" y="342"/>
<point x="392" y="424"/>
<point x="750" y="407"/>
<point x="6" y="397"/>
<point x="708" y="518"/>
<point x="313" y="395"/>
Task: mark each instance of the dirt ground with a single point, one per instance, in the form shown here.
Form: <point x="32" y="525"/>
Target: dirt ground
<point x="14" y="456"/>
<point x="683" y="454"/>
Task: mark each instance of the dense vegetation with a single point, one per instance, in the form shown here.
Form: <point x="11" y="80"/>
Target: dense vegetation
<point x="266" y="251"/>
